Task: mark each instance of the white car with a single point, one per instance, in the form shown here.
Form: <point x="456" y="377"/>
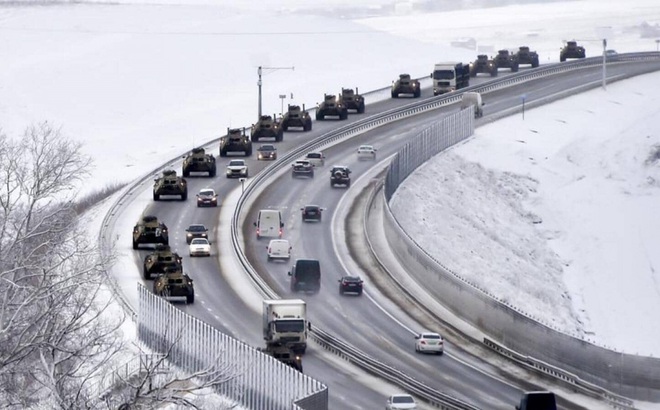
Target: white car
<point x="429" y="342"/>
<point x="279" y="249"/>
<point x="199" y="247"/>
<point x="237" y="168"/>
<point x="366" y="152"/>
<point x="317" y="158"/>
<point x="400" y="401"/>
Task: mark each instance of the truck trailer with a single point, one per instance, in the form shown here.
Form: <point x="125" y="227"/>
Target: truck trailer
<point x="285" y="323"/>
<point x="449" y="77"/>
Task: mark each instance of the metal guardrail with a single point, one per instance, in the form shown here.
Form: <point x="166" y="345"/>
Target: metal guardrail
<point x="344" y="132"/>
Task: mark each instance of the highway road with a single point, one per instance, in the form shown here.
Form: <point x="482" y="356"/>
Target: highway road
<point x="382" y="329"/>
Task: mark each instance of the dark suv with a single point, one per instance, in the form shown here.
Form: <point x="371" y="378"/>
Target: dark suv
<point x="311" y="213"/>
<point x="340" y="175"/>
<point x="350" y="284"/>
<point x="306" y="275"/>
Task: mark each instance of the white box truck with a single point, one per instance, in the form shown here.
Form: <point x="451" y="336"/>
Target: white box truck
<point x="451" y="76"/>
<point x="285" y="323"/>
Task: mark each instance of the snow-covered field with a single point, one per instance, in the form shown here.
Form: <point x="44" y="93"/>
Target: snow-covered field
<point x="141" y="83"/>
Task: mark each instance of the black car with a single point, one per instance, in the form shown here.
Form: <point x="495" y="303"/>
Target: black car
<point x="350" y="284"/>
<point x="196" y="231"/>
<point x="207" y="197"/>
<point x="311" y="213"/>
<point x="302" y="168"/>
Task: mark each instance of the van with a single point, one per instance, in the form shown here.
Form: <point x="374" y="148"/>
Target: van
<point x="537" y="400"/>
<point x="306" y="275"/>
<point x="279" y="249"/>
<point x="269" y="224"/>
<point x="471" y="98"/>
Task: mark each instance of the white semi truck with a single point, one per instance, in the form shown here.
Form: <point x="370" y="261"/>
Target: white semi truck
<point x="285" y="323"/>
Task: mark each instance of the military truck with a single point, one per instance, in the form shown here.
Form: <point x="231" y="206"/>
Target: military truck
<point x="173" y="285"/>
<point x="267" y="127"/>
<point x="525" y="56"/>
<point x="331" y="105"/>
<point x="572" y="50"/>
<point x="505" y="59"/>
<point x="149" y="230"/>
<point x="285" y="355"/>
<point x="235" y="141"/>
<point x="160" y="260"/>
<point x="296" y="117"/>
<point x="406" y="85"/>
<point x="169" y="183"/>
<point x="352" y="100"/>
<point x="483" y="65"/>
<point x="198" y="161"/>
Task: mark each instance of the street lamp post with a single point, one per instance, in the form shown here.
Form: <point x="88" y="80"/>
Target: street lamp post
<point x="657" y="45"/>
<point x="259" y="82"/>
<point x="282" y="97"/>
<point x="604" y="64"/>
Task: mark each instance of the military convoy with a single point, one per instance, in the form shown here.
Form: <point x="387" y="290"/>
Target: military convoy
<point x="505" y="59"/>
<point x="267" y="127"/>
<point x="296" y="117"/>
<point x="169" y="183"/>
<point x="525" y="56"/>
<point x="174" y="284"/>
<point x="198" y="161"/>
<point x="235" y="141"/>
<point x="331" y="105"/>
<point x="483" y="65"/>
<point x="149" y="230"/>
<point x="572" y="50"/>
<point x="406" y="85"/>
<point x="352" y="100"/>
<point x="161" y="260"/>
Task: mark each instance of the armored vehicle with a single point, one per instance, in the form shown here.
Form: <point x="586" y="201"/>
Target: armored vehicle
<point x="170" y="184"/>
<point x="331" y="105"/>
<point x="406" y="85"/>
<point x="296" y="117"/>
<point x="572" y="50"/>
<point x="285" y="355"/>
<point x="267" y="127"/>
<point x="525" y="56"/>
<point x="352" y="100"/>
<point x="149" y="230"/>
<point x="199" y="161"/>
<point x="161" y="259"/>
<point x="504" y="59"/>
<point x="483" y="65"/>
<point x="173" y="285"/>
<point x="340" y="175"/>
<point x="235" y="141"/>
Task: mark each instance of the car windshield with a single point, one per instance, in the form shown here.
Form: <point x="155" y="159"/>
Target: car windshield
<point x="207" y="192"/>
<point x="199" y="241"/>
<point x="236" y="163"/>
<point x="443" y="75"/>
<point x="267" y="148"/>
<point x="196" y="228"/>
<point x="311" y="208"/>
<point x="431" y="336"/>
<point x="313" y="155"/>
<point x="402" y="399"/>
<point x="351" y="279"/>
<point x="290" y="325"/>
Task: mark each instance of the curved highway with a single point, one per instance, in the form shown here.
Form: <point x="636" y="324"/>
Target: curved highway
<point x="385" y="333"/>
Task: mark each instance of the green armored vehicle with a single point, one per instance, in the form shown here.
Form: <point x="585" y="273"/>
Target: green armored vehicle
<point x="352" y="100"/>
<point x="525" y="56"/>
<point x="406" y="85"/>
<point x="235" y="141"/>
<point x="504" y="59"/>
<point x="149" y="230"/>
<point x="483" y="65"/>
<point x="170" y="184"/>
<point x="296" y="117"/>
<point x="160" y="260"/>
<point x="331" y="105"/>
<point x="285" y="355"/>
<point x="572" y="50"/>
<point x="267" y="127"/>
<point x="174" y="285"/>
<point x="198" y="161"/>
